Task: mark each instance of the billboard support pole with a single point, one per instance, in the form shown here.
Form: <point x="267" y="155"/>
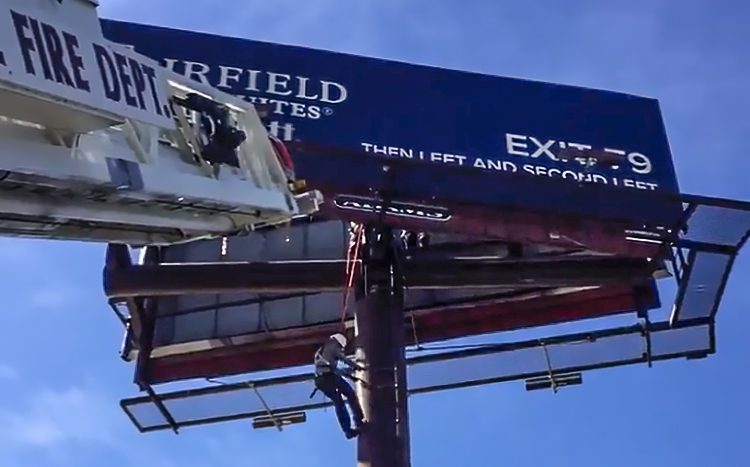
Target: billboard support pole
<point x="379" y="306"/>
<point x="399" y="347"/>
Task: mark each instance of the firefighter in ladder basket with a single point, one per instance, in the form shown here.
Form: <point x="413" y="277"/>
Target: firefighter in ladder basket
<point x="329" y="380"/>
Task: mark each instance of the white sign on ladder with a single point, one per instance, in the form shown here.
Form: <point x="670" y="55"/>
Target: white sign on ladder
<point x="57" y="49"/>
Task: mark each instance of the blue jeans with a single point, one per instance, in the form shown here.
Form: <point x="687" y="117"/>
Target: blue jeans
<point x="341" y="393"/>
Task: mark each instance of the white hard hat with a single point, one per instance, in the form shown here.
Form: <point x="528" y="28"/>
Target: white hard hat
<point x="340" y="338"/>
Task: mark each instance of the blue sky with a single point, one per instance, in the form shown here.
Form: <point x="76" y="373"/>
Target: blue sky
<point x="60" y="376"/>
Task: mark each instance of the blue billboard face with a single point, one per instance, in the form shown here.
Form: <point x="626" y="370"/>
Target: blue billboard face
<point x="512" y="143"/>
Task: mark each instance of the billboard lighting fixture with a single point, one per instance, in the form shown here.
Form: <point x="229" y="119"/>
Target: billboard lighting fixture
<point x="554" y="382"/>
<point x="551" y="380"/>
<point x="270" y="419"/>
<point x="279" y="421"/>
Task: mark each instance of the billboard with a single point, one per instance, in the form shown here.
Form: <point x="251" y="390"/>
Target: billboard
<point x="461" y="144"/>
<point x="207" y="335"/>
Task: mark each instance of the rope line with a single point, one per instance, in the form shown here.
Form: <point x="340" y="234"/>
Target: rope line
<point x="352" y="257"/>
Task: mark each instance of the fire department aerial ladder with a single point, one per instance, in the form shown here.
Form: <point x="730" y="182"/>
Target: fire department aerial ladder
<point x="99" y="143"/>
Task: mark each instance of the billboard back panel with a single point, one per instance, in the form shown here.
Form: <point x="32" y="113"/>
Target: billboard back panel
<point x="190" y="318"/>
<point x="266" y="349"/>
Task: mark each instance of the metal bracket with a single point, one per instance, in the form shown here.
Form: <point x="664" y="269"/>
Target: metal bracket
<point x="162" y="408"/>
<point x="647" y="336"/>
<point x="550" y="373"/>
<point x="271" y="416"/>
<point x="642" y="313"/>
<point x="416" y="343"/>
<point x="120" y="316"/>
<point x="144" y="359"/>
<point x="680" y="263"/>
<point x="552" y="381"/>
<point x="276" y="421"/>
<point x="676" y="267"/>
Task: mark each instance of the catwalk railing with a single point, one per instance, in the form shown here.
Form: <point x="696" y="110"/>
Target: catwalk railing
<point x="551" y="357"/>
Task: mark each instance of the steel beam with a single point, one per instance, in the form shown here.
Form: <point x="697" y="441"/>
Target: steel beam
<point x="217" y="278"/>
<point x="557" y="272"/>
<point x="121" y="281"/>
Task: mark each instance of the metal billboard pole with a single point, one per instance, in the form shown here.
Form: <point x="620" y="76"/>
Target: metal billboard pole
<point x="379" y="327"/>
<point x="402" y="396"/>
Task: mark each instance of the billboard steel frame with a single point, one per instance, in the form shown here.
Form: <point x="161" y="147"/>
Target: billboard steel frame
<point x="702" y="274"/>
<point x="643" y="330"/>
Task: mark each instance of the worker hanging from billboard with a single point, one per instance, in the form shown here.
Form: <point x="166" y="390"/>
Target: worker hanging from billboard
<point x="329" y="379"/>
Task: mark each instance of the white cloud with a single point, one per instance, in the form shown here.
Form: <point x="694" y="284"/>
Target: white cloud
<point x="76" y="426"/>
<point x="51" y="418"/>
<point x="50" y="298"/>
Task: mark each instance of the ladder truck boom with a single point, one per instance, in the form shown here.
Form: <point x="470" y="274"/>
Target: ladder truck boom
<point x="99" y="143"/>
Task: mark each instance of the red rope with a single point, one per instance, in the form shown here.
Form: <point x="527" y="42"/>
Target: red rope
<point x="281" y="152"/>
<point x="351" y="270"/>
